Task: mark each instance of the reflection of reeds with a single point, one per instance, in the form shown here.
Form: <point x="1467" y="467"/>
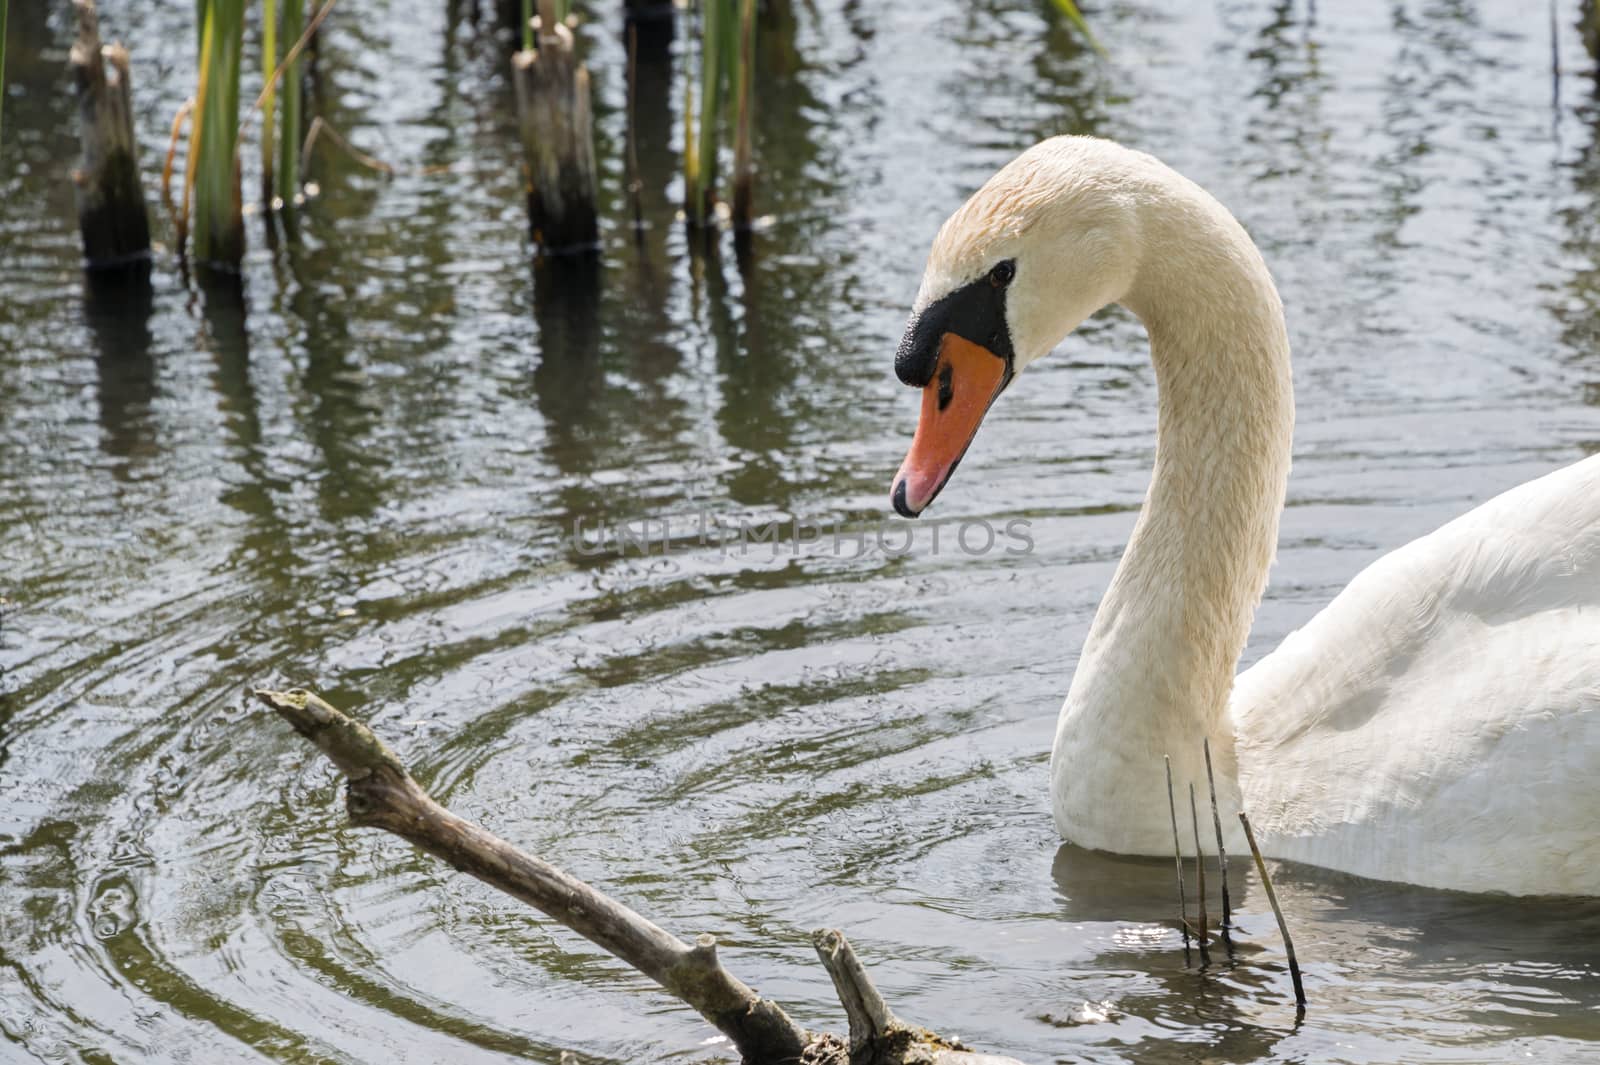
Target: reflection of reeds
<point x="3" y="4"/>
<point x="213" y="169"/>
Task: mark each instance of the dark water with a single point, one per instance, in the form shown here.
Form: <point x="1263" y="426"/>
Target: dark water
<point x="363" y="472"/>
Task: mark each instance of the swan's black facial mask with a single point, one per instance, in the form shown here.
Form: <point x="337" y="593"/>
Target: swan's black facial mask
<point x="976" y="312"/>
<point x="958" y="351"/>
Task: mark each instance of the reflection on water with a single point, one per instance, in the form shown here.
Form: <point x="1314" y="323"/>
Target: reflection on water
<point x="362" y="465"/>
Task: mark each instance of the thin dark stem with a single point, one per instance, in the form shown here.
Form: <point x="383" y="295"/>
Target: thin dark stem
<point x="1555" y="69"/>
<point x="1277" y="911"/>
<point x="3" y="4"/>
<point x="635" y="183"/>
<point x="1222" y="851"/>
<point x="1177" y="859"/>
<point x="1200" y="876"/>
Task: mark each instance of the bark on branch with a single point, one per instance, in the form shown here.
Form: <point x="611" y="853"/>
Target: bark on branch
<point x="381" y="794"/>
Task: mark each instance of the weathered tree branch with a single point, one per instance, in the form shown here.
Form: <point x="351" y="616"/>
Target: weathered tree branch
<point x="381" y="794"/>
<point x="876" y="1034"/>
<point x="864" y="1009"/>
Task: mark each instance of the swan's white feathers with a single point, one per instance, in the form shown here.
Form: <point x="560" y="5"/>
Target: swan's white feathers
<point x="1438" y="723"/>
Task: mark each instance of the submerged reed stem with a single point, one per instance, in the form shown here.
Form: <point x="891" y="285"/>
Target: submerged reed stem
<point x="1200" y="879"/>
<point x="1177" y="858"/>
<point x="1222" y="851"/>
<point x="1277" y="911"/>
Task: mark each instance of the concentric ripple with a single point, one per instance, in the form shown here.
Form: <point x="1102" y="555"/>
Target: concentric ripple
<point x="504" y="515"/>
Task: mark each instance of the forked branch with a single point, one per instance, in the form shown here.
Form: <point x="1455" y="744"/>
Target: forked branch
<point x="382" y="794"/>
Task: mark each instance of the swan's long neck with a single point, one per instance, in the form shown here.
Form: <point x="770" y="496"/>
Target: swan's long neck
<point x="1158" y="665"/>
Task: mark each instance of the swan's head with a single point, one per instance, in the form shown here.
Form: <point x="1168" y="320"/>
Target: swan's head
<point x="1049" y="240"/>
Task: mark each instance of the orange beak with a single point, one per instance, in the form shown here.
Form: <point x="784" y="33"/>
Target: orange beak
<point x="966" y="380"/>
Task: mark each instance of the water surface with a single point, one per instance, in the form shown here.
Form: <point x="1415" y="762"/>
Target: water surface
<point x="363" y="470"/>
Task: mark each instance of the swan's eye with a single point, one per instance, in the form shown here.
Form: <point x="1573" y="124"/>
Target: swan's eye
<point x="1002" y="273"/>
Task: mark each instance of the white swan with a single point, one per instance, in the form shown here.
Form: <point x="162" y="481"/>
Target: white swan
<point x="1437" y="724"/>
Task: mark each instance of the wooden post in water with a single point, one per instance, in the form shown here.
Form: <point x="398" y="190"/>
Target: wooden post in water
<point x="111" y="207"/>
<point x="557" y="129"/>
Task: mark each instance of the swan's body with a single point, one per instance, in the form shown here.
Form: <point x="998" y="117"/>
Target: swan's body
<point x="1437" y="724"/>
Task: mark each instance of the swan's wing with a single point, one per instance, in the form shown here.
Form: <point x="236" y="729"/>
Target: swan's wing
<point x="1439" y="721"/>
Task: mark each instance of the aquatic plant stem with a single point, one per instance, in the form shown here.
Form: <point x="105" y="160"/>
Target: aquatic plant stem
<point x="1222" y="851"/>
<point x="701" y="186"/>
<point x="1277" y="911"/>
<point x="269" y="66"/>
<point x="1177" y="858"/>
<point x="1200" y="879"/>
<point x="1072" y="14"/>
<point x="214" y="159"/>
<point x="381" y="793"/>
<point x="305" y="41"/>
<point x="286" y="187"/>
<point x="180" y="219"/>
